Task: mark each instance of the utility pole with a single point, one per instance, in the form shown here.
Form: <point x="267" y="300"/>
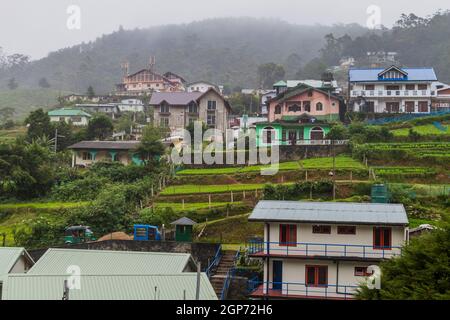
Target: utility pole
<point x="197" y="289"/>
<point x="65" y="290"/>
<point x="334" y="170"/>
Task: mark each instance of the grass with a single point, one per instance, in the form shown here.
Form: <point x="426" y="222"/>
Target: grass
<point x="405" y="171"/>
<point x="284" y="166"/>
<point x="192" y="206"/>
<point x="9" y="136"/>
<point x="196" y="189"/>
<point x="342" y="162"/>
<point x="42" y="205"/>
<point x="428" y="129"/>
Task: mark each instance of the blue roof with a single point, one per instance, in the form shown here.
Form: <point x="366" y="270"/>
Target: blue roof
<point x="371" y="75"/>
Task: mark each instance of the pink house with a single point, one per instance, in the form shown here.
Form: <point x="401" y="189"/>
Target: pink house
<point x="303" y="99"/>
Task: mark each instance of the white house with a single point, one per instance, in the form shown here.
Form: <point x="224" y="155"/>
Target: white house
<point x="323" y="250"/>
<point x="76" y="117"/>
<point x="13" y="261"/>
<point x="202" y="86"/>
<point x="131" y="105"/>
<point x="392" y="90"/>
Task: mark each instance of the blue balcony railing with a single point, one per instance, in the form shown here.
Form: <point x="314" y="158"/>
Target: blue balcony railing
<point x="300" y="289"/>
<point x="321" y="249"/>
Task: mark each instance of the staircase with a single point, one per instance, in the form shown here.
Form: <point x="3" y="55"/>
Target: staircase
<point x="220" y="274"/>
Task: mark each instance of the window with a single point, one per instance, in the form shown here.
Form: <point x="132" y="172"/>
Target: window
<point x="191" y="121"/>
<point x="288" y="235"/>
<point x="316" y="276"/>
<point x="192" y="107"/>
<point x="410" y="87"/>
<point x="422" y="87"/>
<point x="87" y="156"/>
<point x="321" y="229"/>
<point x="267" y="134"/>
<point x="76" y="119"/>
<point x="278" y="109"/>
<point x="307" y="106"/>
<point x="212" y="105"/>
<point x="294" y="108"/>
<point x="370" y="87"/>
<point x="319" y="106"/>
<point x="61" y="119"/>
<point x="164" y="122"/>
<point x="423" y="106"/>
<point x="310" y="93"/>
<point x="346" y="230"/>
<point x="361" y="272"/>
<point x="164" y="108"/>
<point x="382" y="238"/>
<point x="211" y="121"/>
<point x="392" y="88"/>
<point x="369" y="107"/>
<point x="283" y="135"/>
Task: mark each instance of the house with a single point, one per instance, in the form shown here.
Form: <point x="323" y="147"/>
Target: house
<point x="176" y="110"/>
<point x="110" y="275"/>
<point x="77" y="117"/>
<point x="323" y="250"/>
<point x="391" y="90"/>
<point x="300" y="115"/>
<point x="110" y="109"/>
<point x="13" y="261"/>
<point x="86" y="153"/>
<point x="202" y="86"/>
<point x="441" y="102"/>
<point x="131" y="105"/>
<point x="147" y="81"/>
<point x="328" y="84"/>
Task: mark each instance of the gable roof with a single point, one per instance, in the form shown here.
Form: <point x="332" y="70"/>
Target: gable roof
<point x="298" y="90"/>
<point x="370" y="75"/>
<point x="184" y="222"/>
<point x="108" y="145"/>
<point x="330" y="212"/>
<point x="68" y="113"/>
<point x="9" y="256"/>
<point x="174" y="98"/>
<point x="109" y="287"/>
<point x="105" y="262"/>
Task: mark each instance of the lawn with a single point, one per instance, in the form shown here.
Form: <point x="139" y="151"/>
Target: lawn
<point x="342" y="162"/>
<point x="196" y="189"/>
<point x="192" y="206"/>
<point x="428" y="129"/>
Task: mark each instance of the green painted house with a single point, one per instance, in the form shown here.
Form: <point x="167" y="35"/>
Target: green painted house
<point x="292" y="130"/>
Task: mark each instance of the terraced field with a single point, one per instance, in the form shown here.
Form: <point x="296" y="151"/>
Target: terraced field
<point x="428" y="129"/>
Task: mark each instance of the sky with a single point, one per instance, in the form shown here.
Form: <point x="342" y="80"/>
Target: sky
<point x="37" y="27"/>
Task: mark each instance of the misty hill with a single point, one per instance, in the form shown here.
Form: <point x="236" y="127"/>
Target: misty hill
<point x="224" y="51"/>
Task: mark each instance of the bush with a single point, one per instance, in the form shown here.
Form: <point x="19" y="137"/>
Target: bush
<point x="79" y="190"/>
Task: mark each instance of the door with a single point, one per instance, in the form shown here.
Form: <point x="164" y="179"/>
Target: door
<point x="317" y="133"/>
<point x="277" y="276"/>
<point x="393" y="107"/>
<point x="409" y="106"/>
<point x="293" y="137"/>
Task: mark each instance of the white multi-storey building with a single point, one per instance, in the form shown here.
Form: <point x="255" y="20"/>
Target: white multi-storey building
<point x="391" y="90"/>
<point x="322" y="250"/>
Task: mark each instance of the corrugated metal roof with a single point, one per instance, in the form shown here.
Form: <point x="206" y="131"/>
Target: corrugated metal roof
<point x="56" y="261"/>
<point x="110" y="145"/>
<point x="8" y="257"/>
<point x="370" y="75"/>
<point x="330" y="212"/>
<point x="68" y="112"/>
<point x="174" y="98"/>
<point x="109" y="287"/>
<point x="184" y="222"/>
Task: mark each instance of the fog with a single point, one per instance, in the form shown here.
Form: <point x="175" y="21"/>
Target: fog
<point x="38" y="27"/>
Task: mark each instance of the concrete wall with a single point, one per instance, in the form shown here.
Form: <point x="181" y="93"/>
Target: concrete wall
<point x="292" y="153"/>
<point x="122" y="156"/>
<point x="84" y="121"/>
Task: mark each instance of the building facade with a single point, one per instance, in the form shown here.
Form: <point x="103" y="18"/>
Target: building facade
<point x="324" y="250"/>
<point x="75" y="117"/>
<point x="202" y="86"/>
<point x="391" y="90"/>
<point x="176" y="110"/>
<point x="86" y="153"/>
<point x="441" y="102"/>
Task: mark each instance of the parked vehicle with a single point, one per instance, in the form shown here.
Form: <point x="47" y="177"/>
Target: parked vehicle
<point x="78" y="234"/>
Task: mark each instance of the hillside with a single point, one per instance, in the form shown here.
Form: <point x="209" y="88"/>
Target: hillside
<point x="225" y="51"/>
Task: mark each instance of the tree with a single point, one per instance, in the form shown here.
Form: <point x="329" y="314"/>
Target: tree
<point x="43" y="83"/>
<point x="151" y="148"/>
<point x="90" y="92"/>
<point x="6" y="114"/>
<point x="270" y="73"/>
<point x="312" y="70"/>
<point x="12" y="84"/>
<point x="338" y="132"/>
<point x="38" y="123"/>
<point x="100" y="127"/>
<point x="422" y="272"/>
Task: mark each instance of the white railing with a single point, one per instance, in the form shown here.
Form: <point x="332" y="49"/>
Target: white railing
<point x="307" y="142"/>
<point x="393" y="93"/>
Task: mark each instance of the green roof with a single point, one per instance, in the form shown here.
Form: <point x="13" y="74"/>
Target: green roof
<point x="280" y="84"/>
<point x="101" y="262"/>
<point x="65" y="112"/>
<point x="109" y="287"/>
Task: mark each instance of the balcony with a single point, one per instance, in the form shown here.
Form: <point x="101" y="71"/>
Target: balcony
<point x="393" y="93"/>
<point x="298" y="290"/>
<point x="260" y="249"/>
